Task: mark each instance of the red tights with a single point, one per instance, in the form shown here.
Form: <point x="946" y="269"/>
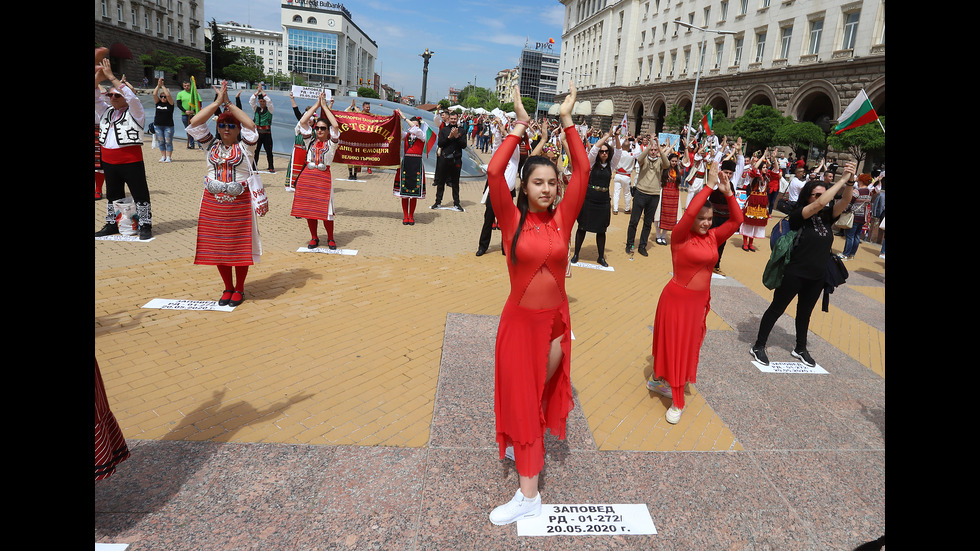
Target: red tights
<point x="408" y="208"/>
<point x="240" y="273"/>
<point x="327" y="225"/>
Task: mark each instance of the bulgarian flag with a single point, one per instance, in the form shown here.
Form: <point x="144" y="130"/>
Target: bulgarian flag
<point x="706" y="121"/>
<point x="195" y="97"/>
<point x="858" y="113"/>
<point x="430" y="138"/>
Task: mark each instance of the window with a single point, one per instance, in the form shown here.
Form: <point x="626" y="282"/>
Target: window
<point x="105" y="9"/>
<point x="760" y="46"/>
<point x="119" y="12"/>
<point x="719" y="49"/>
<point x="297" y="19"/>
<point x="737" y="54"/>
<point x="134" y="16"/>
<point x="743" y="7"/>
<point x="784" y="40"/>
<point x="311" y="20"/>
<point x="707" y="16"/>
<point x="850" y="30"/>
<point x="816" y="29"/>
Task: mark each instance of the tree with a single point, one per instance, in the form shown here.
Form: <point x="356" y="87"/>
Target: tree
<point x="800" y="135"/>
<point x="860" y="141"/>
<point x="366" y="92"/>
<point x="758" y="126"/>
<point x="222" y="55"/>
<point x="444" y="104"/>
<point x="248" y="69"/>
<point x="161" y="60"/>
<point x="676" y="119"/>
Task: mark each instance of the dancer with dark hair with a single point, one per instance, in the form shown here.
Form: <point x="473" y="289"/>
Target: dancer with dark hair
<point x="227" y="228"/>
<point x="410" y="176"/>
<point x="532" y="383"/>
<point x="313" y="198"/>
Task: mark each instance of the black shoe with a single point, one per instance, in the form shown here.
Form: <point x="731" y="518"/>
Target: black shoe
<point x="234" y="302"/>
<point x="146" y="232"/>
<point x="108" y="229"/>
<point x="804" y="356"/>
<point x="642" y="251"/>
<point x="629" y="249"/>
<point x="223" y="301"/>
<point x="602" y="262"/>
<point x="760" y="355"/>
<point x="574" y="259"/>
<point x="435" y="206"/>
<point x="481" y="252"/>
<point x="458" y="208"/>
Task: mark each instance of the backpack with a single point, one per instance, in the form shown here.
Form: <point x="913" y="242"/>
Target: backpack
<point x="778" y="230"/>
<point x="772" y="276"/>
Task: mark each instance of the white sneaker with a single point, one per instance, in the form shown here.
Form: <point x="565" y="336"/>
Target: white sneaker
<point x="516" y="509"/>
<point x="509" y="453"/>
<point x="168" y="160"/>
<point x="673" y="415"/>
<point x="163" y="159"/>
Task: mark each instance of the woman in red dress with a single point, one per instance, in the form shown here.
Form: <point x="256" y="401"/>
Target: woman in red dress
<point x="227" y="228"/>
<point x="681" y="320"/>
<point x="532" y="383"/>
<point x="314" y="186"/>
<point x="670" y="196"/>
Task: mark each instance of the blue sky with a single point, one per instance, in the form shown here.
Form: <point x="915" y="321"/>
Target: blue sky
<point x="471" y="39"/>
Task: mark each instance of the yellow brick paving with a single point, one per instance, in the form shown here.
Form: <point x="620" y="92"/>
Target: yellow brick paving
<point x="330" y="349"/>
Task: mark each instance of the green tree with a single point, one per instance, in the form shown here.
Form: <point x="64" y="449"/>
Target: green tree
<point x="758" y="126"/>
<point x="161" y="60"/>
<point x="676" y="119"/>
<point x="366" y="92"/>
<point x="248" y="69"/>
<point x="223" y="55"/>
<point x="444" y="104"/>
<point x="860" y="141"/>
<point x="800" y="135"/>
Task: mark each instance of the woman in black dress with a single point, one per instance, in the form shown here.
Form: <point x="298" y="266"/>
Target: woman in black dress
<point x="595" y="216"/>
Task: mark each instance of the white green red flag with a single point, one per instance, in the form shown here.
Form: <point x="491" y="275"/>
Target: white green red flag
<point x="195" y="96"/>
<point x="706" y="121"/>
<point x="430" y="138"/>
<point x="858" y="113"/>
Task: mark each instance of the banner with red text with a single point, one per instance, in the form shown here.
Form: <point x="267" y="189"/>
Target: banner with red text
<point x="368" y="140"/>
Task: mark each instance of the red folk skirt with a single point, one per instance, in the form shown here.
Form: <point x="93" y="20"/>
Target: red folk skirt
<point x="669" y="199"/>
<point x="224" y="231"/>
<point x="110" y="446"/>
<point x="678" y="332"/>
<point x="524" y="405"/>
<point x="312" y="197"/>
<point x="296" y="165"/>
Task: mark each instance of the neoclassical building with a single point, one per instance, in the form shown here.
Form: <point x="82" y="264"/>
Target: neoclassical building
<point x="808" y="59"/>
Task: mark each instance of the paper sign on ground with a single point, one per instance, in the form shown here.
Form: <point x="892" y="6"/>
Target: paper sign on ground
<point x="323" y="250"/>
<point x="616" y="519"/>
<point x="119" y="237"/>
<point x="789" y="367"/>
<point x="594" y="266"/>
<point x="180" y="304"/>
<point x="111" y="546"/>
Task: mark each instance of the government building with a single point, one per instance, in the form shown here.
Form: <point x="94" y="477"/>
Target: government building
<point x="807" y="59"/>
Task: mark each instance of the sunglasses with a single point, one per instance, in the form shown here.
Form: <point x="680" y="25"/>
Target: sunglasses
<point x="322" y="128"/>
<point x="114" y="95"/>
<point x="227" y="125"/>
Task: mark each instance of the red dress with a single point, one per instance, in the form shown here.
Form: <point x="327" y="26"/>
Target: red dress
<point x="536" y="313"/>
<point x="680" y="323"/>
<point x="110" y="445"/>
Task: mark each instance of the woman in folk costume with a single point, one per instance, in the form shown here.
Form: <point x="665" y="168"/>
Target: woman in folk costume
<point x="670" y="182"/>
<point x="410" y="176"/>
<point x="532" y="384"/>
<point x="757" y="206"/>
<point x="227" y="228"/>
<point x="700" y="157"/>
<point x="680" y="322"/>
<point x="313" y="199"/>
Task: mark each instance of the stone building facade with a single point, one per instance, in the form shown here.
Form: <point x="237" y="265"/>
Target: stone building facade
<point x="806" y="59"/>
<point x="130" y="28"/>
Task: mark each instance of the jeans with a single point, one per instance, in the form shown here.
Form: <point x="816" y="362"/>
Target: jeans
<point x="186" y="119"/>
<point x="852" y="238"/>
<point x="165" y="137"/>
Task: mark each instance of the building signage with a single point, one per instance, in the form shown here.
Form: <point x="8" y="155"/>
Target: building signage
<point x="545" y="45"/>
<point x="322" y="4"/>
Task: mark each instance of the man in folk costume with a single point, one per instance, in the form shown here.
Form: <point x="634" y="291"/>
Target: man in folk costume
<point x="262" y="117"/>
<point x="121" y="120"/>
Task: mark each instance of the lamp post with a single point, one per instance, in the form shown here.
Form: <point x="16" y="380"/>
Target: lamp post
<point x="425" y="70"/>
<point x="697" y="78"/>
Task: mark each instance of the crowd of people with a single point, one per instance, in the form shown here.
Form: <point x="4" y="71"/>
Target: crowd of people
<point x="562" y="175"/>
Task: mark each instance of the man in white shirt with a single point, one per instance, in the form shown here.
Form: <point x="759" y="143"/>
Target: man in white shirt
<point x="795" y="185"/>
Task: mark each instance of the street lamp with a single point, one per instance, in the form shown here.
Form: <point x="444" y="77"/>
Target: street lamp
<point x="697" y="78"/>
